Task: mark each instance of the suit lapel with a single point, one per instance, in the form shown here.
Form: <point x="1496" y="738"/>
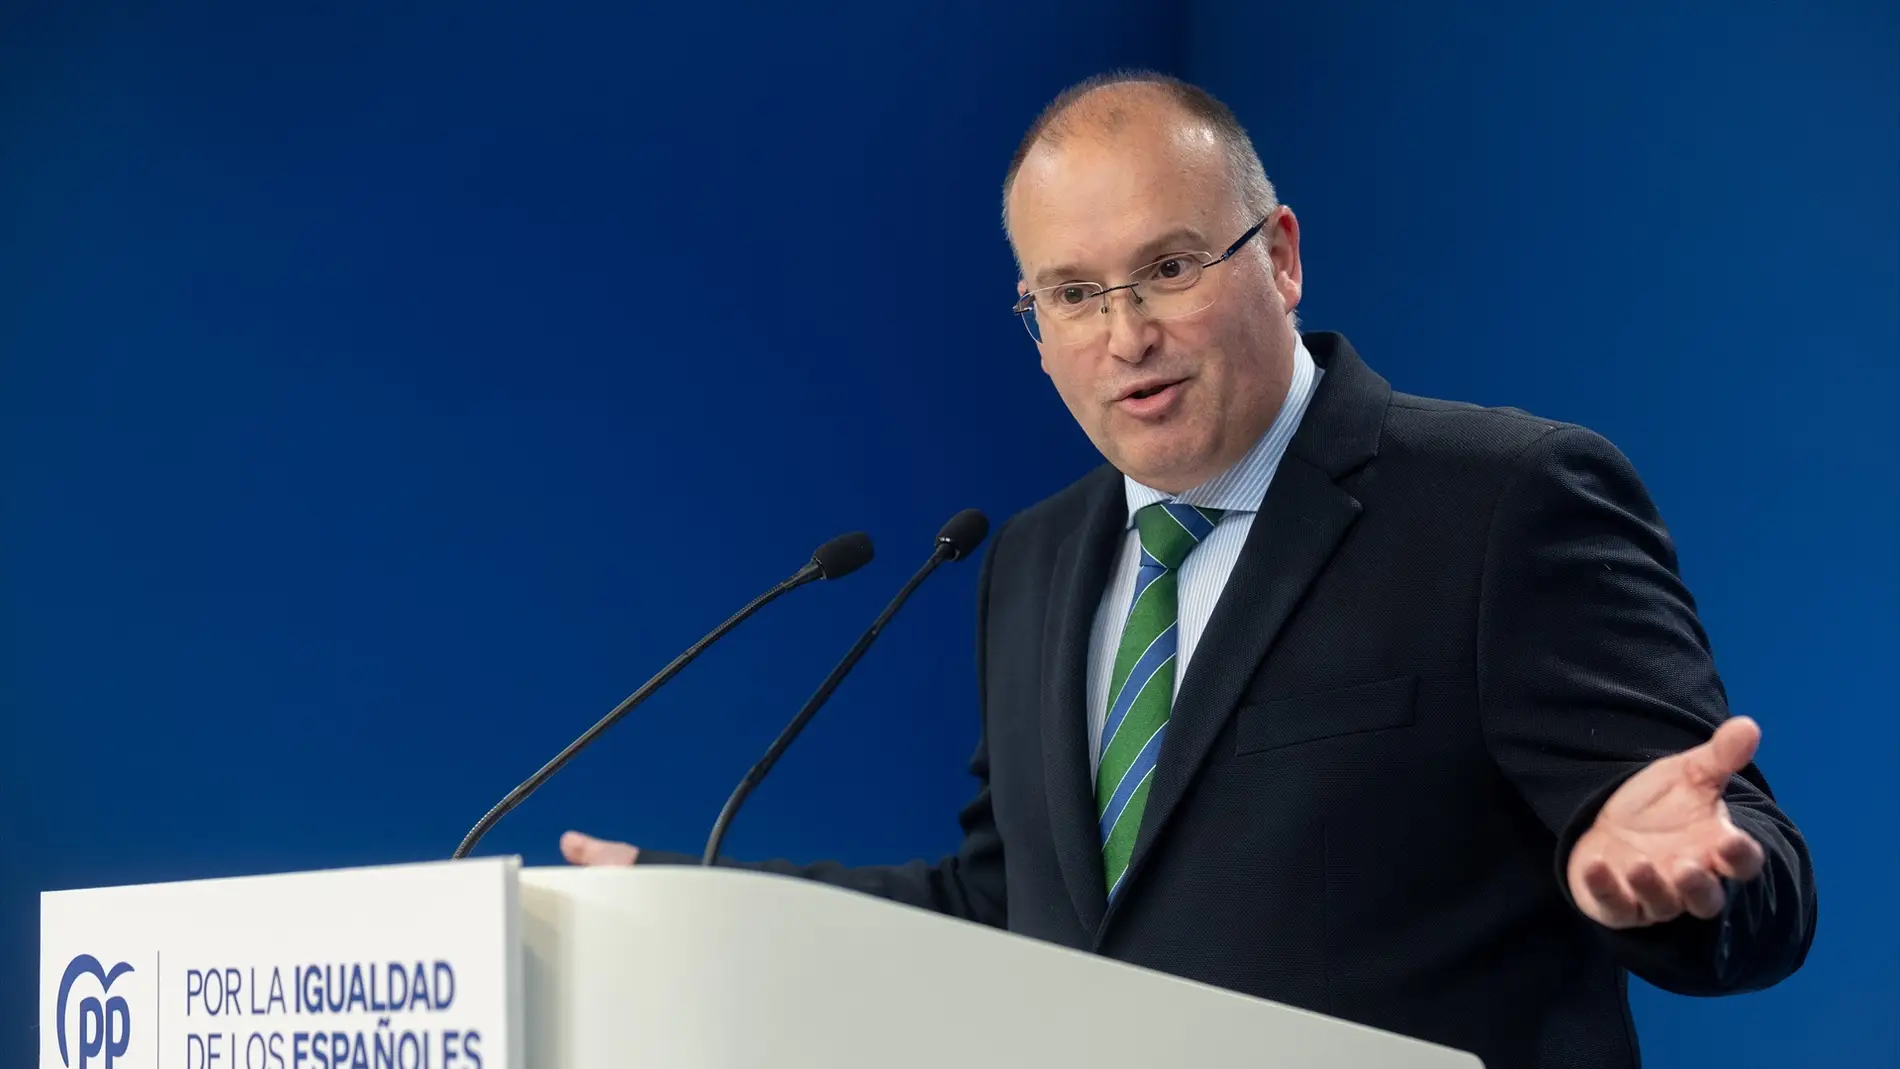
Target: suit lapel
<point x="1301" y="521"/>
<point x="1081" y="574"/>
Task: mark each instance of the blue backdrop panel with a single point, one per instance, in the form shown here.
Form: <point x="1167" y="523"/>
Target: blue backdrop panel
<point x="383" y="395"/>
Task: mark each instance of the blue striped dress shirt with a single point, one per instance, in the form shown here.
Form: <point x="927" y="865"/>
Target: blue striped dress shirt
<point x="1238" y="490"/>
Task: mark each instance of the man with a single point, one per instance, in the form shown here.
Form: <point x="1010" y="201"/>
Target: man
<point x="1387" y="707"/>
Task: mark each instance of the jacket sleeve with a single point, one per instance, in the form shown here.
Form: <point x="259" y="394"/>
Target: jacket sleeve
<point x="1591" y="663"/>
<point x="967" y="884"/>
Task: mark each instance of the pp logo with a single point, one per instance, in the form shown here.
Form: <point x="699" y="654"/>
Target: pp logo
<point x="105" y="1027"/>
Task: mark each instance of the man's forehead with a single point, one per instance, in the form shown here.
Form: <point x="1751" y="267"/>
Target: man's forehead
<point x="1113" y="230"/>
<point x="1092" y="198"/>
<point x="1082" y="162"/>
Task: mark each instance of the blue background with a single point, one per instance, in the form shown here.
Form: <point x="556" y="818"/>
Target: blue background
<point x="384" y="393"/>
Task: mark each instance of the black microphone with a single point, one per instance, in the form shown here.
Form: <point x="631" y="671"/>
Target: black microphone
<point x="958" y="539"/>
<point x="837" y="558"/>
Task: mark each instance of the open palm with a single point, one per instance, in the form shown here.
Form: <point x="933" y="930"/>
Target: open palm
<point x="1663" y="843"/>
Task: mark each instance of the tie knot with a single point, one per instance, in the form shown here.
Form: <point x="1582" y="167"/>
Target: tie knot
<point x="1171" y="530"/>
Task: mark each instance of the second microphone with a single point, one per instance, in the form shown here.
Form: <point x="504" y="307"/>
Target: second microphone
<point x="958" y="539"/>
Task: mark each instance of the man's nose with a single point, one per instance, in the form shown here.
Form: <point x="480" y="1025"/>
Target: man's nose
<point x="1131" y="333"/>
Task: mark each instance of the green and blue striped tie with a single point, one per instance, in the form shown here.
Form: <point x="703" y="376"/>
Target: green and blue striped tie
<point x="1141" y="688"/>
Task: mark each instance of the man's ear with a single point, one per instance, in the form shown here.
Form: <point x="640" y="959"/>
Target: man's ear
<point x="1283" y="251"/>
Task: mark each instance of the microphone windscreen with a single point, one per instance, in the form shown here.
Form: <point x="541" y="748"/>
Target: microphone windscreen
<point x="965" y="531"/>
<point x="843" y="555"/>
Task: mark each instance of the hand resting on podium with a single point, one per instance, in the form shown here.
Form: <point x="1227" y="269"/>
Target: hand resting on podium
<point x="582" y="849"/>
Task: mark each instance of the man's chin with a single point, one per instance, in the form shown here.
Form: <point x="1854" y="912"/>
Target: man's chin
<point x="1172" y="470"/>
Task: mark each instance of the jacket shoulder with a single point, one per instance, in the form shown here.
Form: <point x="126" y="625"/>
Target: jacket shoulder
<point x="1479" y="438"/>
<point x="1462" y="427"/>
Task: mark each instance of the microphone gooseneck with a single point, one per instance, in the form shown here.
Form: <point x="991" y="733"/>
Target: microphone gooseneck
<point x="835" y="559"/>
<point x="958" y="538"/>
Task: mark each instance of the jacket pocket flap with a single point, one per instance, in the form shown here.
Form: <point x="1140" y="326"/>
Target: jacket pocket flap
<point x="1275" y="722"/>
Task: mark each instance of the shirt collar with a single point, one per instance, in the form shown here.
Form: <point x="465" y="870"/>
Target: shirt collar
<point x="1242" y="487"/>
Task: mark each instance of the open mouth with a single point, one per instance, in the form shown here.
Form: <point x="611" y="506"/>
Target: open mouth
<point x="1149" y="391"/>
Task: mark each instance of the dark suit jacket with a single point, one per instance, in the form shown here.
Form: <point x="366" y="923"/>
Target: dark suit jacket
<point x="1451" y="634"/>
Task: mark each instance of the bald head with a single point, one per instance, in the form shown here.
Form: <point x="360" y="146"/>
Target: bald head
<point x="1109" y="107"/>
<point x="1144" y="106"/>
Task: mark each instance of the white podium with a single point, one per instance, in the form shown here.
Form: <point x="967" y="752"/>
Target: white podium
<point x="482" y="964"/>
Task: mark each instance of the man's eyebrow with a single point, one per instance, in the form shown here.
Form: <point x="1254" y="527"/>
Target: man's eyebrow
<point x="1180" y="239"/>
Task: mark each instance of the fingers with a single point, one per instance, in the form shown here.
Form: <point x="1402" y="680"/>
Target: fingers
<point x="1606" y="899"/>
<point x="581" y="849"/>
<point x="1655" y="895"/>
<point x="1738" y="855"/>
<point x="1636" y="894"/>
<point x="1620" y="887"/>
<point x="1726" y="753"/>
<point x="1701" y="891"/>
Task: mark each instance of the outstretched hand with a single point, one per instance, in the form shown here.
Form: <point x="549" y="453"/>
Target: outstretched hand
<point x="581" y="849"/>
<point x="1663" y="843"/>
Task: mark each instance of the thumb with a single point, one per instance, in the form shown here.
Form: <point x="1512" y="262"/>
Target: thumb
<point x="1728" y="752"/>
<point x="580" y="849"/>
